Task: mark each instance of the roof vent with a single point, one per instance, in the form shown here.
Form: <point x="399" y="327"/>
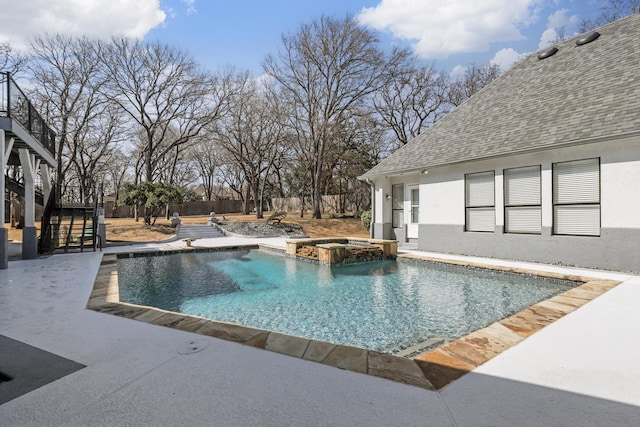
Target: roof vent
<point x="587" y="38"/>
<point x="547" y="52"/>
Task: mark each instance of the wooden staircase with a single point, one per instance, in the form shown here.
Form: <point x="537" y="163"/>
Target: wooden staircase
<point x="69" y="227"/>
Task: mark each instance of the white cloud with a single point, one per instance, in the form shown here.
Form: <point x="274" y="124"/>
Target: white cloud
<point x="548" y="37"/>
<point x="558" y="23"/>
<point x="263" y="80"/>
<point x="438" y="28"/>
<point x="191" y="6"/>
<point x="457" y="72"/>
<point x="506" y="58"/>
<point x="100" y="18"/>
<point x="560" y="19"/>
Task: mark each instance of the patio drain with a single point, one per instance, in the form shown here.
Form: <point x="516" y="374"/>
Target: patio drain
<point x="422" y="347"/>
<point x="193" y="346"/>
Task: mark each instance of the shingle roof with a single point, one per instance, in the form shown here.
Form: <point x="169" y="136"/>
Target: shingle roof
<point x="578" y="94"/>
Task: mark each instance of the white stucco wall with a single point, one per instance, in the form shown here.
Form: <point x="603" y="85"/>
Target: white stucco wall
<point x="440" y="207"/>
<point x="442" y="189"/>
<point x="620" y="187"/>
<point x="442" y="210"/>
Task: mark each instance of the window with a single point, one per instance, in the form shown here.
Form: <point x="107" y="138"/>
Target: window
<point x="397" y="206"/>
<point x="576" y="198"/>
<point x="522" y="200"/>
<point x="415" y="205"/>
<point x="480" y="201"/>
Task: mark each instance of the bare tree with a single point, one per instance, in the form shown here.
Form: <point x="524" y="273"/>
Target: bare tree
<point x="179" y="169"/>
<point x="164" y="92"/>
<point x="412" y="101"/>
<point x="206" y="158"/>
<point x="356" y="154"/>
<point x="327" y="69"/>
<point x="175" y="168"/>
<point x="68" y="85"/>
<point x="231" y="174"/>
<point x="474" y="79"/>
<point x="250" y="134"/>
<point x="116" y="172"/>
<point x="171" y="165"/>
<point x="10" y="60"/>
<point x="611" y="11"/>
<point x="95" y="150"/>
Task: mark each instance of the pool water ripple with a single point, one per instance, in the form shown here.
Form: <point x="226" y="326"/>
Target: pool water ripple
<point x="385" y="306"/>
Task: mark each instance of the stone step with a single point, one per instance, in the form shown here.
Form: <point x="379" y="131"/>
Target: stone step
<point x="198" y="232"/>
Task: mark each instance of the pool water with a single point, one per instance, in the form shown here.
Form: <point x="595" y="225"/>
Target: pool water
<point x="385" y="306"/>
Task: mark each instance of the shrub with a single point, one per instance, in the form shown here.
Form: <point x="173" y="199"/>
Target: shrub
<point x="365" y="219"/>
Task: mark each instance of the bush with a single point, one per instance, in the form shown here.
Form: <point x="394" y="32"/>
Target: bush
<point x="365" y="219"/>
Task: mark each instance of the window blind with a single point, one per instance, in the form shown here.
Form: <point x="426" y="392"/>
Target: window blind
<point x="523" y="219"/>
<point x="522" y="186"/>
<point x="576" y="182"/>
<point x="523" y="212"/>
<point x="481" y="219"/>
<point x="480" y="189"/>
<point x="576" y="197"/>
<point x="577" y="220"/>
<point x="480" y="201"/>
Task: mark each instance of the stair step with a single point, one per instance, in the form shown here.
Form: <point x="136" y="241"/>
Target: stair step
<point x="198" y="232"/>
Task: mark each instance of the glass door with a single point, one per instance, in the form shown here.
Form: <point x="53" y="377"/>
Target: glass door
<point x="413" y="211"/>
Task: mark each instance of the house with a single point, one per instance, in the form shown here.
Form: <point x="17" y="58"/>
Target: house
<point x="542" y="165"/>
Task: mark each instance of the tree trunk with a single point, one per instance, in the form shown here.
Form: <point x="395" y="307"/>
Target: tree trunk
<point x="316" y="200"/>
<point x="149" y="169"/>
<point x="316" y="178"/>
<point x="257" y="198"/>
<point x="247" y="195"/>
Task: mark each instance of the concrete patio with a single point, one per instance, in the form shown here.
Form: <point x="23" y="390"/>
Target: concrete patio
<point x="581" y="370"/>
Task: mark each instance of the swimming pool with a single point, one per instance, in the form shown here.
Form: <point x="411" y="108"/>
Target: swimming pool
<point x="384" y="306"/>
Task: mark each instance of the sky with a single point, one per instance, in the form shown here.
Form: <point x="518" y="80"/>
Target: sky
<point x="450" y="34"/>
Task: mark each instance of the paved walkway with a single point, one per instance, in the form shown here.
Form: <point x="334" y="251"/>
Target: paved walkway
<point x="580" y="371"/>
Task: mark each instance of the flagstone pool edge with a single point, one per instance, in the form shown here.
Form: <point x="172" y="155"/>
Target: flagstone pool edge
<point x="431" y="370"/>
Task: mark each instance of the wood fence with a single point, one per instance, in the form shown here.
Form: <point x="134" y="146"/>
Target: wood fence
<point x="184" y="209"/>
<point x="330" y="204"/>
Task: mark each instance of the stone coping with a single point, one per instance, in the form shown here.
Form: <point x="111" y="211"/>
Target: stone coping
<point x="431" y="370"/>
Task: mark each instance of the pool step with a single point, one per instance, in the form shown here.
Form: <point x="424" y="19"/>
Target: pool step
<point x="198" y="231"/>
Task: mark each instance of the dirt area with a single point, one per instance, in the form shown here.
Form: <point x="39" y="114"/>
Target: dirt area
<point x="127" y="230"/>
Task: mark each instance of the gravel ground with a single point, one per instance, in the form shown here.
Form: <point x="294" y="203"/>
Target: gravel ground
<point x="262" y="229"/>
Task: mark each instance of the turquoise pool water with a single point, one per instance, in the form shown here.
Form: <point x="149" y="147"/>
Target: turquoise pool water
<point x="385" y="306"/>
